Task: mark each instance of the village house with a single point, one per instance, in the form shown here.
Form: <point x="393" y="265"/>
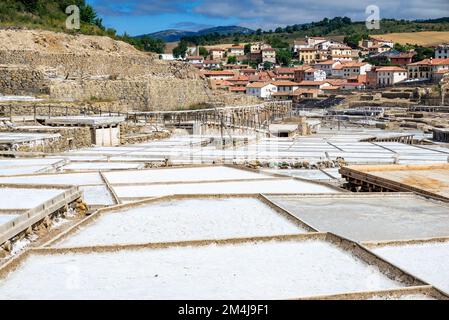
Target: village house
<point x="248" y="72"/>
<point x="426" y="69"/>
<point x="379" y="49"/>
<point x="355" y="68"/>
<point x="258" y="47"/>
<point x="262" y="90"/>
<point x="340" y="53"/>
<point x="269" y="55"/>
<point x="314" y="41"/>
<point x="326" y="66"/>
<point x="303" y="93"/>
<point x="308" y="55"/>
<point x="327" y="44"/>
<point x="239" y="81"/>
<point x="442" y="51"/>
<point x="167" y="57"/>
<point x="195" y="59"/>
<point x="313" y="74"/>
<point x="285" y="86"/>
<point x="299" y="44"/>
<point x="217" y="54"/>
<point x="378" y="41"/>
<point x="402" y="59"/>
<point x="238" y="90"/>
<point x="284" y="74"/>
<point x="313" y="84"/>
<point x="388" y="76"/>
<point x="236" y="51"/>
<point x="300" y="73"/>
<point x="211" y="64"/>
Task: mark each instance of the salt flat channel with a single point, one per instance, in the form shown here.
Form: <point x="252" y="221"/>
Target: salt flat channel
<point x="240" y="187"/>
<point x="428" y="261"/>
<point x="182" y="175"/>
<point x="183" y="220"/>
<point x="261" y="270"/>
<point x="15" y="198"/>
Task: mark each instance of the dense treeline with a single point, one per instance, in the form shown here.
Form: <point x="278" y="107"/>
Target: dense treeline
<point x="338" y="26"/>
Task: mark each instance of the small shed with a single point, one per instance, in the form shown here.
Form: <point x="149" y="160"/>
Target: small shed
<point x="105" y="131"/>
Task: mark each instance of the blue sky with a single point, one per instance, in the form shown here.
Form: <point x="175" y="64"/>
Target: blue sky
<point x="146" y="16"/>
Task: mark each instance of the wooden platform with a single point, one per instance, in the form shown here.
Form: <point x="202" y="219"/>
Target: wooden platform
<point x="427" y="180"/>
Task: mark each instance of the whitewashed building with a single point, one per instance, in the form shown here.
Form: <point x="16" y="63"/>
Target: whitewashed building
<point x="262" y="90"/>
<point x="388" y="76"/>
<point x="442" y="51"/>
<point x="313" y="74"/>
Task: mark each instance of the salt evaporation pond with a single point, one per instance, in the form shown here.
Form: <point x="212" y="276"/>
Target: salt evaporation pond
<point x="428" y="261"/>
<point x="182" y="175"/>
<point x="263" y="270"/>
<point x="239" y="187"/>
<point x="182" y="220"/>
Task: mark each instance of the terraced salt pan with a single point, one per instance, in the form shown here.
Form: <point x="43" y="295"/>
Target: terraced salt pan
<point x="183" y="220"/>
<point x="270" y="270"/>
<point x="57" y="179"/>
<point x="241" y="187"/>
<point x="181" y="175"/>
<point x="26" y="198"/>
<point x="97" y="196"/>
<point x="427" y="261"/>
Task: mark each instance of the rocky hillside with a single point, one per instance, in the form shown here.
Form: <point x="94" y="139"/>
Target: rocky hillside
<point x="62" y="43"/>
<point x="80" y="68"/>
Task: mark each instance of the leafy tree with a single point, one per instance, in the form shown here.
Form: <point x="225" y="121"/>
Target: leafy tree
<point x="203" y="52"/>
<point x="276" y="42"/>
<point x="181" y="50"/>
<point x="284" y="57"/>
<point x="232" y="60"/>
<point x="267" y="65"/>
<point x="248" y="48"/>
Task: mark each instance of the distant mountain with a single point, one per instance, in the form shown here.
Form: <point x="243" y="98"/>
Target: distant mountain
<point x="173" y="35"/>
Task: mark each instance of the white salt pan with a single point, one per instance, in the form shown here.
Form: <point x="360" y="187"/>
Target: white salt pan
<point x="429" y="262"/>
<point x="273" y="270"/>
<point x="184" y="220"/>
<point x="182" y="175"/>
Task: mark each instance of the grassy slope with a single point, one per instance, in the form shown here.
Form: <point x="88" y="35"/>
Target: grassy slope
<point x="49" y="17"/>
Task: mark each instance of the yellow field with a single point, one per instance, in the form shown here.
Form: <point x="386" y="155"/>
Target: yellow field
<point x="426" y="38"/>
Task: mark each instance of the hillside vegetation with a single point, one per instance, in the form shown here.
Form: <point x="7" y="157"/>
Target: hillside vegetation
<point x="338" y="26"/>
<point x="50" y="15"/>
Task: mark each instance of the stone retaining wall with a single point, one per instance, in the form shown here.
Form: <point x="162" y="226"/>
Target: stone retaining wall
<point x="21" y="80"/>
